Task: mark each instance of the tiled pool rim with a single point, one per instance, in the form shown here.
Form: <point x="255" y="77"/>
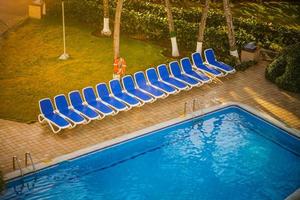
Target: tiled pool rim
<point x="51" y="163"/>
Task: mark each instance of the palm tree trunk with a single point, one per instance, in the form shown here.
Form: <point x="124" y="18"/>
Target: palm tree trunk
<point x="175" y="51"/>
<point x="106" y="31"/>
<point x="202" y="26"/>
<point x="230" y="30"/>
<point x="117" y="29"/>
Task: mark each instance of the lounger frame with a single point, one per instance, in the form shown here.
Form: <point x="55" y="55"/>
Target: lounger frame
<point x="123" y="84"/>
<point x="42" y="119"/>
<point x="86" y="121"/>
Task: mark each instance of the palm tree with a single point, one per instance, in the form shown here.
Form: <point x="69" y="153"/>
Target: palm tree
<point x="117" y="29"/>
<point x="230" y="30"/>
<point x="106" y="31"/>
<point x="175" y="52"/>
<point x="202" y="26"/>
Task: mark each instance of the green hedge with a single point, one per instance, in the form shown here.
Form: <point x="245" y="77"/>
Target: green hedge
<point x="149" y="20"/>
<point x="285" y="69"/>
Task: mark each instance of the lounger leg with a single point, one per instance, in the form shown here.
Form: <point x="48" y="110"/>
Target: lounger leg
<point x="87" y="120"/>
<point x="165" y="95"/>
<point x="52" y="127"/>
<point x="41" y="118"/>
<point x="141" y="104"/>
<point x="115" y="112"/>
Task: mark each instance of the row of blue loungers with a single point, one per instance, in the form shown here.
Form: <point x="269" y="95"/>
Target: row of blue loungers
<point x="130" y="92"/>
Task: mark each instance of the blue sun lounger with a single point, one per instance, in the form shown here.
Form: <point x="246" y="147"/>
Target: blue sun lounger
<point x="188" y="69"/>
<point x="155" y="82"/>
<point x="211" y="60"/>
<point x="117" y="91"/>
<point x="141" y="82"/>
<point x="80" y="106"/>
<point x="176" y="72"/>
<point x="165" y="77"/>
<point x="55" y="120"/>
<point x="105" y="96"/>
<point x="198" y="63"/>
<point x="130" y="87"/>
<point x="91" y="99"/>
<point x="64" y="109"/>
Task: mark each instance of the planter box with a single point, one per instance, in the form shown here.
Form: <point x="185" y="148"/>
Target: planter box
<point x="250" y="56"/>
<point x="35" y="11"/>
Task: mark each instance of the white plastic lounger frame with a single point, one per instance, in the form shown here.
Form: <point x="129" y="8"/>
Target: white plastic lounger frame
<point x="42" y="119"/>
<point x="159" y="79"/>
<point x="216" y="67"/>
<point x="124" y="91"/>
<point x="84" y="103"/>
<point x="196" y="71"/>
<point x="109" y="105"/>
<point x="179" y="89"/>
<point x="86" y="121"/>
<point x="141" y="100"/>
<point x="200" y="83"/>
<point x="163" y="97"/>
<point x="206" y="72"/>
<point x="102" y="115"/>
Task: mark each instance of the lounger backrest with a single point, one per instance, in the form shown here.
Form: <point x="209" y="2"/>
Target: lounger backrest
<point x="140" y="78"/>
<point x="186" y="64"/>
<point x="197" y="59"/>
<point x="175" y="68"/>
<point x="163" y="71"/>
<point x="152" y="75"/>
<point x="46" y="106"/>
<point x="210" y="56"/>
<point x="128" y="83"/>
<point x="102" y="90"/>
<point x="75" y="98"/>
<point x="89" y="94"/>
<point x="115" y="86"/>
<point x="61" y="102"/>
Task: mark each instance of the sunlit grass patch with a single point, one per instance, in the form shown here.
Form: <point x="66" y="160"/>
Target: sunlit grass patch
<point x="30" y="69"/>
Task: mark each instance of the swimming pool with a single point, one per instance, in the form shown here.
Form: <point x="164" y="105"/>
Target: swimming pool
<point x="226" y="154"/>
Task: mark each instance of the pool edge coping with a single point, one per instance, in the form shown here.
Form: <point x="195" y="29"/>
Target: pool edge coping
<point x="39" y="166"/>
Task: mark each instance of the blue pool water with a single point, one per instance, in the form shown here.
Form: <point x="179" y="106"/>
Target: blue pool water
<point x="227" y="154"/>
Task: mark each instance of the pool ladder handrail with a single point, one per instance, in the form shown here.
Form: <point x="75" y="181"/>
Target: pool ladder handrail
<point x="28" y="155"/>
<point x="193" y="107"/>
<point x="16" y="162"/>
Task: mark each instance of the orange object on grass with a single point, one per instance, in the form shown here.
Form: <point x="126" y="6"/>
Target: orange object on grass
<point x="119" y="66"/>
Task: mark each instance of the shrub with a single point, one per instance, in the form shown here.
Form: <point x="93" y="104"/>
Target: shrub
<point x="149" y="20"/>
<point x="285" y="69"/>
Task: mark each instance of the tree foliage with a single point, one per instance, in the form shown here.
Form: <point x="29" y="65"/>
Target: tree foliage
<point x="285" y="69"/>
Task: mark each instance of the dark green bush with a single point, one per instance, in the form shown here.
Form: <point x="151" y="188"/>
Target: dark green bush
<point x="285" y="69"/>
<point x="148" y="20"/>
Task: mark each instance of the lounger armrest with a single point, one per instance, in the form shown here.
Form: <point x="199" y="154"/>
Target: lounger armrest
<point x="85" y="103"/>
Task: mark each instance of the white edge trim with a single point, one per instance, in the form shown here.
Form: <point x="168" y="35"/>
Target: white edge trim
<point x="148" y="130"/>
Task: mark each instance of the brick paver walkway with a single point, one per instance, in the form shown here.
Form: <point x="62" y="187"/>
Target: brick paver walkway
<point x="249" y="87"/>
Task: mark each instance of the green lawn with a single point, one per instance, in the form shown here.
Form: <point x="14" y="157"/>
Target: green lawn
<point x="30" y="69"/>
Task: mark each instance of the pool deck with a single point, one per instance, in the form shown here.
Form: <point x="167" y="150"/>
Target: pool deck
<point x="248" y="87"/>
